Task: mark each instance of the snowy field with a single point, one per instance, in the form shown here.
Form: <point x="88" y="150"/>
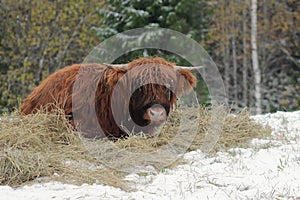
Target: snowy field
<point x="268" y="170"/>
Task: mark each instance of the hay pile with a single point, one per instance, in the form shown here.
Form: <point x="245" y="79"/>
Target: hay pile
<point x="42" y="147"/>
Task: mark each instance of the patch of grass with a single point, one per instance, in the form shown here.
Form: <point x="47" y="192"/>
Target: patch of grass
<point x="43" y="146"/>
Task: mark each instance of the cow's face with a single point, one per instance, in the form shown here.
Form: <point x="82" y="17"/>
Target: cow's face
<point x="150" y="104"/>
<point x="145" y="92"/>
<point x="155" y="89"/>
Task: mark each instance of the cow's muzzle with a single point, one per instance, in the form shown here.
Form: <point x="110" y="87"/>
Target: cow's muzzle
<point x="156" y="114"/>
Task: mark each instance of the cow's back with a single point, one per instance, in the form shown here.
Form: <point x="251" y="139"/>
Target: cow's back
<point x="56" y="90"/>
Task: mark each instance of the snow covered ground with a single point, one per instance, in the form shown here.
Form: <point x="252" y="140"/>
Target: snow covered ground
<point x="269" y="170"/>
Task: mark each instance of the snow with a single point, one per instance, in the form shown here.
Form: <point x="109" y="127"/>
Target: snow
<point x="268" y="170"/>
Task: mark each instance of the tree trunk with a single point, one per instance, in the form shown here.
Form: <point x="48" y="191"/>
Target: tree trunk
<point x="234" y="57"/>
<point x="245" y="67"/>
<point x="256" y="70"/>
<point x="226" y="53"/>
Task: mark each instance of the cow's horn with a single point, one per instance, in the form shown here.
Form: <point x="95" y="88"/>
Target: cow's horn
<point x="124" y="66"/>
<point x="188" y="68"/>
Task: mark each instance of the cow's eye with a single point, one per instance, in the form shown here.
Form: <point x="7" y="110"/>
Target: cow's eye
<point x="170" y="88"/>
<point x="169" y="95"/>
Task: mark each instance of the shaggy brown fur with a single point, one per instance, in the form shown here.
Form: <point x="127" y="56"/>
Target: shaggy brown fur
<point x="85" y="91"/>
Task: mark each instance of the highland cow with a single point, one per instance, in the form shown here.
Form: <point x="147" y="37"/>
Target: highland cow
<point x="113" y="100"/>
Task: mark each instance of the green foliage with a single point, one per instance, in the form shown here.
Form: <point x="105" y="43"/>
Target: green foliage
<point x="39" y="37"/>
<point x="190" y="17"/>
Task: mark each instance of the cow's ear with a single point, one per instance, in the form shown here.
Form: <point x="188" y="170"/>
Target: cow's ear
<point x="185" y="83"/>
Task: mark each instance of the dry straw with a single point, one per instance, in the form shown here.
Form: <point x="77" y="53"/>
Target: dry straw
<point x="43" y="147"/>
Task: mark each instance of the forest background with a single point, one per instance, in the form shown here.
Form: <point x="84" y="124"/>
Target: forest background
<point x="40" y="37"/>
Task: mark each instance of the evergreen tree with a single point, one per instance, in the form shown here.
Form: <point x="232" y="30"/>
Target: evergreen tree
<point x="190" y="17"/>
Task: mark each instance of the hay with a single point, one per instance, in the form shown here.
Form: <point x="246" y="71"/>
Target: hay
<point x="43" y="147"/>
<point x="31" y="146"/>
<point x="40" y="145"/>
<point x="237" y="131"/>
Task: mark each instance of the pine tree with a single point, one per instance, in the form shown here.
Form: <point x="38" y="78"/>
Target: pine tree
<point x="190" y="17"/>
<point x="186" y="16"/>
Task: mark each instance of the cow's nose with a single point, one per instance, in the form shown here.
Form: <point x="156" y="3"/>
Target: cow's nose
<point x="157" y="113"/>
